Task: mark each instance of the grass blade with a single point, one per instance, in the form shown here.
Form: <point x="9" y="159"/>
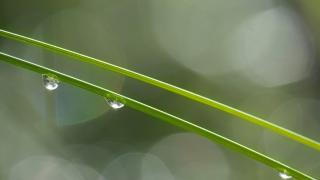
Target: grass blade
<point x="196" y="97"/>
<point x="171" y="119"/>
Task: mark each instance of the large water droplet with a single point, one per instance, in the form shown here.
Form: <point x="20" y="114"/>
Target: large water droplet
<point x="50" y="82"/>
<point x="114" y="104"/>
<point x="283" y="175"/>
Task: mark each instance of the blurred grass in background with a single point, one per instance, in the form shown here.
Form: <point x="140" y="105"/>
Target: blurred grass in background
<point x="259" y="56"/>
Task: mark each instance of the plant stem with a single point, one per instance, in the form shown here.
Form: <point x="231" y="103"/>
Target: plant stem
<point x="171" y="119"/>
<point x="196" y="97"/>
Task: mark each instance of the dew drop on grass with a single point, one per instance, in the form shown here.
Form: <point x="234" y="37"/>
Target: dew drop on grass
<point x="50" y="82"/>
<point x="114" y="104"/>
<point x="284" y="175"/>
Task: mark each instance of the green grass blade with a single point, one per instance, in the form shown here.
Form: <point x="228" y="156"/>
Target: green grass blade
<point x="171" y="119"/>
<point x="196" y="97"/>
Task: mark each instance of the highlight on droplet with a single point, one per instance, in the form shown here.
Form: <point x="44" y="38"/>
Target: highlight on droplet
<point x="284" y="175"/>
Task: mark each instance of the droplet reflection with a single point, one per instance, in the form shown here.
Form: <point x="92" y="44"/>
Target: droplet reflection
<point x="114" y="104"/>
<point x="50" y="82"/>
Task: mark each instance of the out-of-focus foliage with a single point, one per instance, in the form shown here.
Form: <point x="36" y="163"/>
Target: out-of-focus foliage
<point x="259" y="56"/>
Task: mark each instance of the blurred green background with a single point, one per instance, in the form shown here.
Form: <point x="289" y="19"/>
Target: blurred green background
<point x="260" y="56"/>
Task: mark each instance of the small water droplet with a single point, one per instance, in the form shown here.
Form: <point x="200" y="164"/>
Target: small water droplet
<point x="50" y="82"/>
<point x="114" y="104"/>
<point x="283" y="175"/>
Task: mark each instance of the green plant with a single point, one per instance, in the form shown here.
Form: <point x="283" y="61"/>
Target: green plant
<point x="156" y="112"/>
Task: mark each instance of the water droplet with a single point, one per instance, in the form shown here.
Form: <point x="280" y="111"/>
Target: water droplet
<point x="283" y="175"/>
<point x="50" y="82"/>
<point x="114" y="104"/>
